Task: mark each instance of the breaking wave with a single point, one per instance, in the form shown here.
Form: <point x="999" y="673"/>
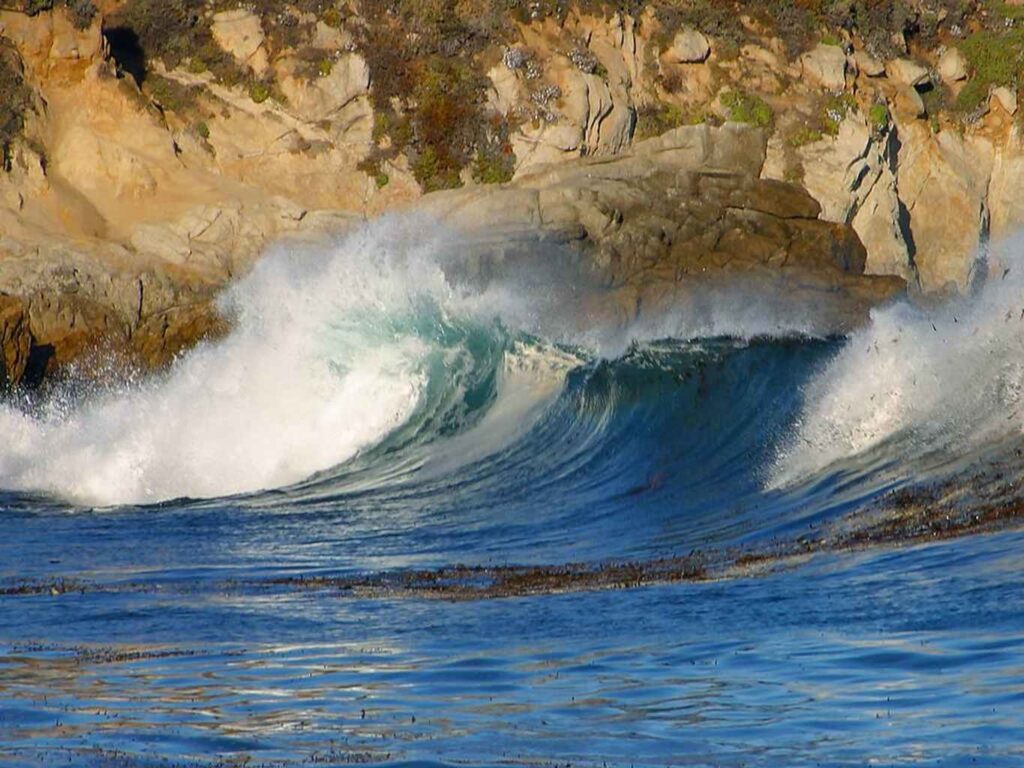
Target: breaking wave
<point x="364" y="376"/>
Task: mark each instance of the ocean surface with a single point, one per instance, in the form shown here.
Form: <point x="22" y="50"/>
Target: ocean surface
<point x="206" y="567"/>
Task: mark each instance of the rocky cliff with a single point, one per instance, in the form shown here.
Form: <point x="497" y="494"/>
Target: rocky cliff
<point x="150" y="150"/>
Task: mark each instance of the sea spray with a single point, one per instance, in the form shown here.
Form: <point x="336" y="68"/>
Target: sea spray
<point x="315" y="369"/>
<point x="939" y="381"/>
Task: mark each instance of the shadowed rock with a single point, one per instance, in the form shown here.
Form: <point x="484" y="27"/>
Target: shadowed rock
<point x="682" y="213"/>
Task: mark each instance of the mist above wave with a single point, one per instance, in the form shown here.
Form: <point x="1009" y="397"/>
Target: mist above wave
<point x="943" y="380"/>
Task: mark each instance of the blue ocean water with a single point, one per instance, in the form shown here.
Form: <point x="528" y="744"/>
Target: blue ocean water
<point x="366" y="418"/>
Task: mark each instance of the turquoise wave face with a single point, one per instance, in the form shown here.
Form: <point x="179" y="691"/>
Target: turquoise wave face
<point x="545" y="454"/>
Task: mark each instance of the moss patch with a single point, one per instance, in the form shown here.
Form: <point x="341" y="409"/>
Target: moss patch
<point x="835" y="110"/>
<point x="259" y="92"/>
<point x="372" y="167"/>
<point x="803" y="136"/>
<point x="747" y="108"/>
<point x="494" y="165"/>
<point x="657" y="119"/>
<point x="878" y="117"/>
<point x="995" y="57"/>
<point x="170" y="95"/>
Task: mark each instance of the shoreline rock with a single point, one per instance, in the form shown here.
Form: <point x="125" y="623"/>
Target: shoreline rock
<point x="678" y="215"/>
<point x="131" y="197"/>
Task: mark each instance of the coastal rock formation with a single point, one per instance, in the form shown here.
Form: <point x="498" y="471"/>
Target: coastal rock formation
<point x="151" y="157"/>
<point x="826" y="65"/>
<point x="680" y="214"/>
<point x="851" y="177"/>
<point x="690" y="47"/>
<point x="15" y="340"/>
<point x="952" y="66"/>
<point x="240" y="33"/>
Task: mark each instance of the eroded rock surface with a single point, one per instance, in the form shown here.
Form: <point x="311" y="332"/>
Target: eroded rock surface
<point x="677" y="215"/>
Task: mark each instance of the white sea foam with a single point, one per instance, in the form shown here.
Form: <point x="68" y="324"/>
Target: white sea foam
<point x="311" y="374"/>
<point x="948" y="379"/>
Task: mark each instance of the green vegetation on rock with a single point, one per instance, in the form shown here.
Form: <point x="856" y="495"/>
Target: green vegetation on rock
<point x="494" y="165"/>
<point x="174" y="32"/>
<point x="835" y="110"/>
<point x="747" y="108"/>
<point x="427" y="89"/>
<point x="655" y="120"/>
<point x="799" y="23"/>
<point x="878" y="117"/>
<point x="995" y="57"/>
<point x="803" y="136"/>
<point x="432" y="172"/>
<point x="372" y="167"/>
<point x="170" y="94"/>
<point x="259" y="92"/>
<point x="936" y="102"/>
<point x="428" y="58"/>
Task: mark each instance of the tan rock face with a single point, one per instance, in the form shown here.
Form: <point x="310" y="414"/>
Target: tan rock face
<point x="689" y="47"/>
<point x="908" y="103"/>
<point x="49" y="43"/>
<point x="906" y="72"/>
<point x="681" y="212"/>
<point x="118" y="220"/>
<point x="72" y="328"/>
<point x="240" y="33"/>
<point x="868" y="64"/>
<point x="943" y="182"/>
<point x="837" y="171"/>
<point x="877" y="223"/>
<point x="15" y="341"/>
<point x="323" y="97"/>
<point x="825" y="65"/>
<point x="102" y="165"/>
<point x="850" y="176"/>
<point x="506" y="90"/>
<point x="952" y="67"/>
<point x="161" y="337"/>
<point x="331" y="38"/>
<point x="1005" y="203"/>
<point x="591" y="112"/>
<point x="1006" y="99"/>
